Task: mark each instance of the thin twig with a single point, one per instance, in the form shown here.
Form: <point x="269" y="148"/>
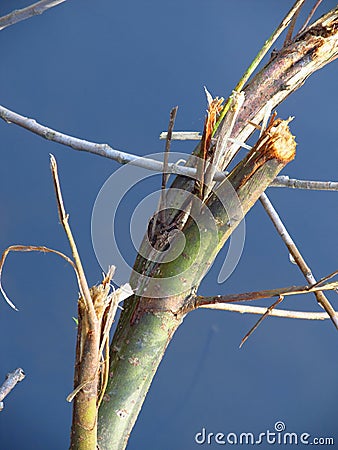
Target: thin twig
<point x="285" y="181"/>
<point x="322" y="280"/>
<point x="83" y="285"/>
<point x="160" y="213"/>
<point x="10" y="382"/>
<point x="92" y="147"/>
<point x="305" y="269"/>
<point x="296" y="255"/>
<point x="147" y="163"/>
<point x="313" y="10"/>
<point x="260" y="320"/>
<point x="200" y="301"/>
<point x="25" y="13"/>
<point x="289" y="34"/>
<point x="243" y="309"/>
<point x="165" y="174"/>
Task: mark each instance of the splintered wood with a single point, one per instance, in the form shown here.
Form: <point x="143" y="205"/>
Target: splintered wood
<point x="276" y="142"/>
<point x="206" y="152"/>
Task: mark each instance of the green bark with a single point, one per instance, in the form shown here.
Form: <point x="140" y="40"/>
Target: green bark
<point x="136" y="352"/>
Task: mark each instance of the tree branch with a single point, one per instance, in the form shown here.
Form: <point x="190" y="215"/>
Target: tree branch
<point x="243" y="309"/>
<point x="63" y="216"/>
<point x="201" y="301"/>
<point x="10" y="382"/>
<point x="121" y="157"/>
<point x="298" y="258"/>
<point x="285" y="181"/>
<point x="25" y="13"/>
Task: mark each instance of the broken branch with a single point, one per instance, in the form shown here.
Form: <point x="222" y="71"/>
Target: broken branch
<point x="25" y="13"/>
<point x="12" y="379"/>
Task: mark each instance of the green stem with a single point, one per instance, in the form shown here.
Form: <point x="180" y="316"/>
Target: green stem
<point x="136" y="352"/>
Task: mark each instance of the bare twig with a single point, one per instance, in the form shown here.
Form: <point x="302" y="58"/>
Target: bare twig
<point x="285" y="181"/>
<point x="165" y="174"/>
<point x="260" y="320"/>
<point x="289" y="34"/>
<point x="182" y="135"/>
<point x="200" y="301"/>
<point x="147" y="163"/>
<point x="10" y="382"/>
<point x="160" y="214"/>
<point x="25" y="13"/>
<point x="83" y="145"/>
<point x="305" y="269"/>
<point x="321" y="282"/>
<point x="83" y="285"/>
<point x="313" y="10"/>
<point x="244" y="309"/>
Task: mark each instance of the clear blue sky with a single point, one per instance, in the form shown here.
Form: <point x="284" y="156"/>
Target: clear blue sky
<point x="110" y="72"/>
